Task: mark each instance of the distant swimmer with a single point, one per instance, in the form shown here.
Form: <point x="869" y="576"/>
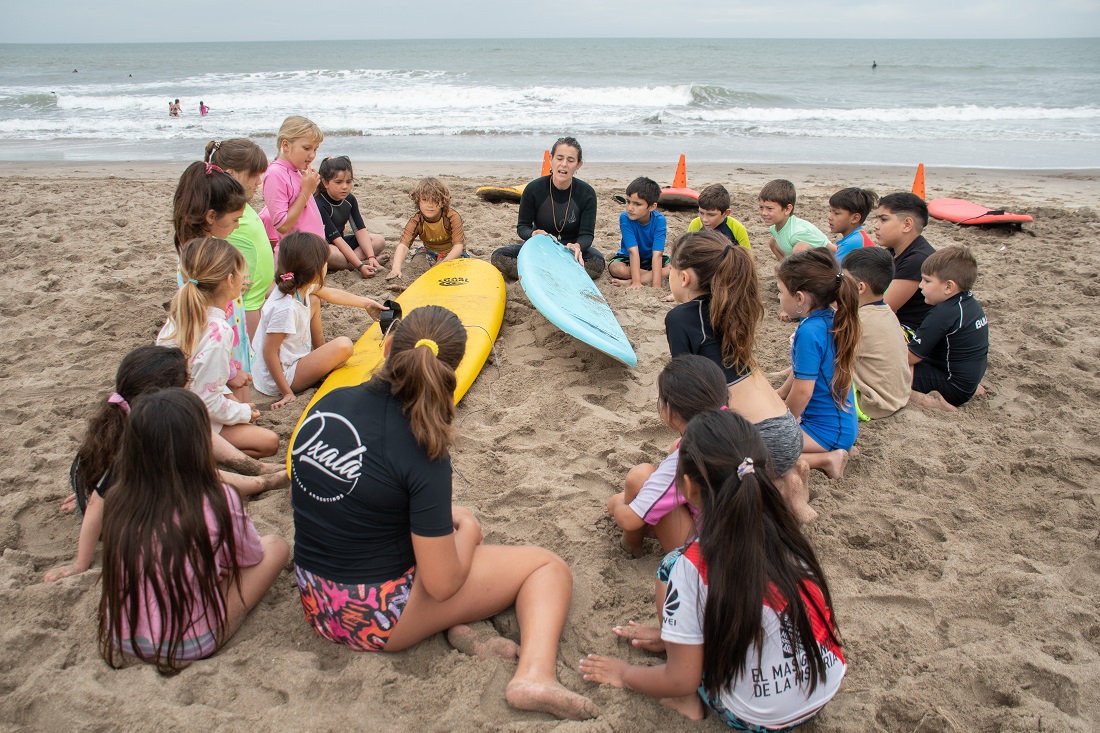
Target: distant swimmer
<point x="74" y="71"/>
<point x="874" y="65"/>
<point x="174" y="109"/>
<point x="203" y="109"/>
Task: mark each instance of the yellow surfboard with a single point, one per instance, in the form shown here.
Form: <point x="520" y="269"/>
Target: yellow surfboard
<point x="472" y="289"/>
<point x="496" y="194"/>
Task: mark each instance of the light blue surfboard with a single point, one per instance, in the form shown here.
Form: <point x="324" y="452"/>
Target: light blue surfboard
<point x="564" y="293"/>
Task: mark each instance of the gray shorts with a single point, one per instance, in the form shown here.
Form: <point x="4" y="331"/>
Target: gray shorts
<point x="783" y="437"/>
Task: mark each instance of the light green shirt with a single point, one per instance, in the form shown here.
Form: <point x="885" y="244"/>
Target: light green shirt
<point x="797" y="230"/>
<point x="250" y="238"/>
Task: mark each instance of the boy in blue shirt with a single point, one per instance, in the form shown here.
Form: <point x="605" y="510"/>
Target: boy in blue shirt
<point x="848" y="212"/>
<point x="950" y="351"/>
<point x="643" y="244"/>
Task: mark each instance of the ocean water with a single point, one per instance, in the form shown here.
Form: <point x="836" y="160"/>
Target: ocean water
<point x="1003" y="103"/>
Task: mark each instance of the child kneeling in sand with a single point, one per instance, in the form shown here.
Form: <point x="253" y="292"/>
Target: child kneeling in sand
<point x="435" y="223"/>
<point x="182" y="563"/>
<point x="881" y="371"/>
<point x="745" y="602"/>
<point x="643" y="230"/>
<point x="950" y="351"/>
<point x="688" y="385"/>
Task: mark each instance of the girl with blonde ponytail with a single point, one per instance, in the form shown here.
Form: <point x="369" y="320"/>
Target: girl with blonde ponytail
<point x="214" y="275"/>
<point x="382" y="558"/>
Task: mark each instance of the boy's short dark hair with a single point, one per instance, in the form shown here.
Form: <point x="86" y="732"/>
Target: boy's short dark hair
<point x="954" y="263"/>
<point x="715" y="197"/>
<point x="872" y="265"/>
<point x="780" y="191"/>
<point x="644" y="188"/>
<point x="855" y="200"/>
<point x="906" y="204"/>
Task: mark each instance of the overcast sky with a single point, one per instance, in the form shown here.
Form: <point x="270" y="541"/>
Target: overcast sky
<point x="119" y="21"/>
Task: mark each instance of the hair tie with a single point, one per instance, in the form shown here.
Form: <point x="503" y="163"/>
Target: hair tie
<point x="286" y="276"/>
<point x="727" y="250"/>
<point x="117" y="399"/>
<point x="723" y="408"/>
<point x="745" y="467"/>
<point x="210" y="168"/>
<point x="430" y="344"/>
<point x="193" y="281"/>
<point x="839" y="276"/>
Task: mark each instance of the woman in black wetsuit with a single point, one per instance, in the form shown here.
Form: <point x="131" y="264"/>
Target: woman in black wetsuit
<point x="561" y="206"/>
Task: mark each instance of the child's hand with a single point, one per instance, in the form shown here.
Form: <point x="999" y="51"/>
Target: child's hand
<point x="61" y="571"/>
<point x="68" y="504"/>
<point x="373" y="307"/>
<point x="367" y="269"/>
<point x="395" y="273"/>
<point x="310" y="179"/>
<point x="286" y="400"/>
<point x="255" y="413"/>
<point x="240" y="379"/>
<point x="604" y="670"/>
<point x="634" y="286"/>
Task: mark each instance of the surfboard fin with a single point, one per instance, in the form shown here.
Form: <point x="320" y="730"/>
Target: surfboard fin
<point x="545" y="163"/>
<point x="681" y="178"/>
<point x="918" y="182"/>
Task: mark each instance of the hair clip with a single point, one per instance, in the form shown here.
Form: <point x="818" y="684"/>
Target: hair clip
<point x="430" y="344"/>
<point x="117" y="399"/>
<point x="217" y="144"/>
<point x="286" y="276"/>
<point x="745" y="467"/>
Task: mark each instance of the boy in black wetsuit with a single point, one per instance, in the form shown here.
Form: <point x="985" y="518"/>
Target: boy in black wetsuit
<point x="559" y="205"/>
<point x="950" y="350"/>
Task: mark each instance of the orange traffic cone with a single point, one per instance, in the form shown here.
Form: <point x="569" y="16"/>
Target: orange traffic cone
<point x="545" y="163"/>
<point x="680" y="180"/>
<point x="918" y="181"/>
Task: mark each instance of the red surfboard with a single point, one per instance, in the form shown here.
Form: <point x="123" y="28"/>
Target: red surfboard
<point x="969" y="213"/>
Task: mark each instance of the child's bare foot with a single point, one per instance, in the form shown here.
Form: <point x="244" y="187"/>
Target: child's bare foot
<point x="690" y="706"/>
<point x="640" y="636"/>
<point x="670" y="298"/>
<point x="383" y="259"/>
<point x="636" y="550"/>
<point x="617" y="282"/>
<point x="272" y="468"/>
<point x="932" y="400"/>
<point x="482" y="642"/>
<point x="549" y="696"/>
<point x="833" y="464"/>
<point x="979" y="391"/>
<point x="396" y="287"/>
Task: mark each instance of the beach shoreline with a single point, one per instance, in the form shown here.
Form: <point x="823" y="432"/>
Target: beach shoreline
<point x="961" y="549"/>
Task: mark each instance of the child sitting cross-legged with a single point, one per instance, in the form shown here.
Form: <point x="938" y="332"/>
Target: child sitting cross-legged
<point x="881" y="371"/>
<point x="950" y="350"/>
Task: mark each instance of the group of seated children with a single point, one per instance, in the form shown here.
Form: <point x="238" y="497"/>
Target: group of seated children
<point x="726" y="504"/>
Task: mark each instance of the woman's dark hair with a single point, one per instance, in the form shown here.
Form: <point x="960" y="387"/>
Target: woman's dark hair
<point x="569" y="141"/>
<point x="157" y="549"/>
<point x="423" y="380"/>
<point x="817" y="274"/>
<point x="753" y="549"/>
<point x="331" y="166"/>
<point x="302" y="255"/>
<point x="237" y="154"/>
<point x="690" y="384"/>
<point x="203" y="188"/>
<point x="725" y="271"/>
<point x="145" y="369"/>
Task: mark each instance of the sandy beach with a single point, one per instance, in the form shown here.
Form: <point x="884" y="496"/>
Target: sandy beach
<point x="963" y="550"/>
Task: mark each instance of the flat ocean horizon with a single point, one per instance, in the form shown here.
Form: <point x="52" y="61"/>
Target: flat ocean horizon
<point x="987" y="103"/>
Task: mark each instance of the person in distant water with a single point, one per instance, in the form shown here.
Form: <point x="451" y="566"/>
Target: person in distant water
<point x="173" y="108"/>
<point x="561" y="206"/>
<point x="874" y="64"/>
<point x="203" y="109"/>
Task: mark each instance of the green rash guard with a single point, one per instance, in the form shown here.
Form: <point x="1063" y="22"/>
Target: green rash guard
<point x="250" y="238"/>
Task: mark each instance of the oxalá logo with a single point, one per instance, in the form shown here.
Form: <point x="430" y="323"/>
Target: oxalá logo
<point x="449" y="281"/>
<point x="327" y="459"/>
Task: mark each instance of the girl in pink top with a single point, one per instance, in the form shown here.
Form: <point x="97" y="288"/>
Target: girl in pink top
<point x="290" y="182"/>
<point x="182" y="562"/>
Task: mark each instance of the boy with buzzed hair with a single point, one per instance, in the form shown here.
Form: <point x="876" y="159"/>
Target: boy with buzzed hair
<point x="643" y="231"/>
<point x="881" y="371"/>
<point x="789" y="233"/>
<point x="714" y="214"/>
<point x="899" y="222"/>
<point x="950" y="351"/>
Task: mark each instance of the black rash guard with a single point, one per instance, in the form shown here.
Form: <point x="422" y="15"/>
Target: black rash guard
<point x="571" y="217"/>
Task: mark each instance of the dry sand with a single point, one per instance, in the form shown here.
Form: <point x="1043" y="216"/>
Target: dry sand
<point x="963" y="550"/>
